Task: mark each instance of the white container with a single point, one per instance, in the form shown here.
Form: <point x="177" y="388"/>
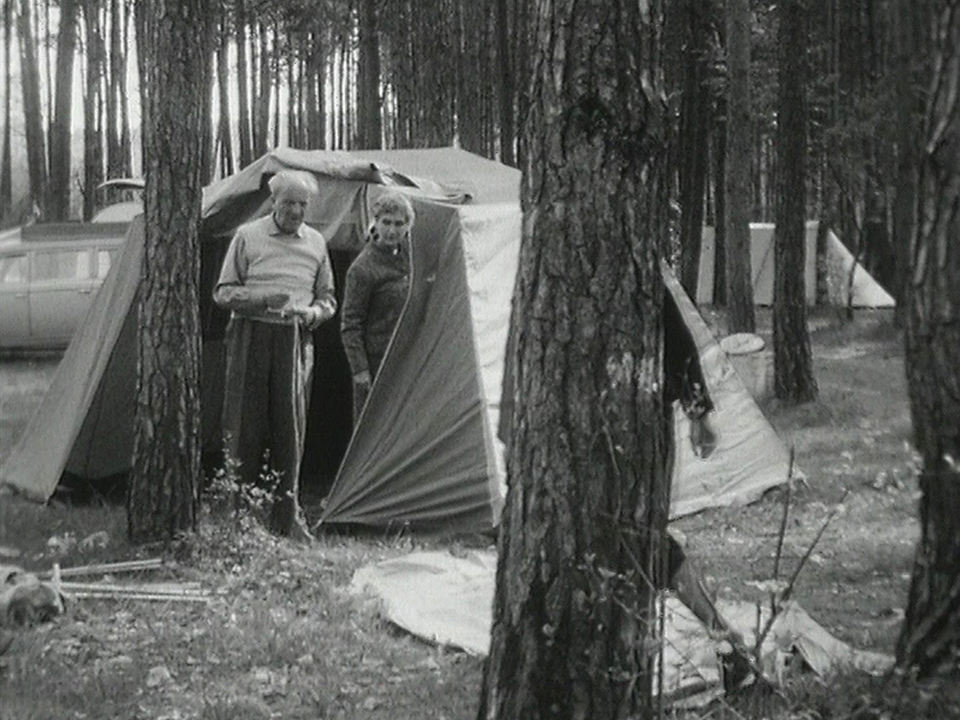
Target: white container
<point x="751" y="362"/>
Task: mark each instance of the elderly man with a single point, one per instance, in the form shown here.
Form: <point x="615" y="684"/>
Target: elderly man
<point x="277" y="282"/>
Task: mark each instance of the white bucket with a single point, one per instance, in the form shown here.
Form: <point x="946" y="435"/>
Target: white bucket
<point x="751" y="362"/>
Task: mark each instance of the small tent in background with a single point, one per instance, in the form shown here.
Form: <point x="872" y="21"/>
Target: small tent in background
<point x="425" y="451"/>
<point x="867" y="292"/>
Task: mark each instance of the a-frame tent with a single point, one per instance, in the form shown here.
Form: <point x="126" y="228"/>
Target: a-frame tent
<point x="845" y="279"/>
<point x="425" y="451"/>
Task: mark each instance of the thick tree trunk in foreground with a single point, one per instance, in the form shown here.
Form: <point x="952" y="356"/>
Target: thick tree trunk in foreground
<point x="930" y="637"/>
<point x="588" y="496"/>
<point x="910" y="81"/>
<point x="162" y="495"/>
<point x="793" y="361"/>
<point x="738" y="170"/>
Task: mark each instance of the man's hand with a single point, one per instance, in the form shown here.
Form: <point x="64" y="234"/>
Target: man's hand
<point x="309" y="315"/>
<point x="363" y="378"/>
<point x="275" y="300"/>
<point x="702" y="437"/>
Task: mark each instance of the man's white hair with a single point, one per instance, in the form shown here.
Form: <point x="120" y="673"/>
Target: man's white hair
<point x="293" y="178"/>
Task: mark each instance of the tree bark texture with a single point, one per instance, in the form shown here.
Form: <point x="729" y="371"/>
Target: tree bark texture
<point x="162" y="495"/>
<point x="32" y="112"/>
<point x="793" y="362"/>
<point x="930" y="636"/>
<point x="738" y="170"/>
<point x="92" y="114"/>
<point x="60" y="129"/>
<point x="370" y="120"/>
<point x="574" y="633"/>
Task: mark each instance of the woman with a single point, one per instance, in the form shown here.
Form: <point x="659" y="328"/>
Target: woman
<point x="377" y="285"/>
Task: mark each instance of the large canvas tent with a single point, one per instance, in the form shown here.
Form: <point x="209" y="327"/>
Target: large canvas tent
<point x="425" y="450"/>
<point x="840" y="285"/>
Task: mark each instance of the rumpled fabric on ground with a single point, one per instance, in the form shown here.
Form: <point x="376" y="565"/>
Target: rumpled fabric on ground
<point x="448" y="600"/>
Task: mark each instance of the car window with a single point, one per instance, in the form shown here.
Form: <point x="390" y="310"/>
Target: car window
<point x="61" y="265"/>
<point x="104" y="261"/>
<point x="13" y="269"/>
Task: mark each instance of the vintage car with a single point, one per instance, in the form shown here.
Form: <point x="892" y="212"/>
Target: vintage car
<point x="49" y="273"/>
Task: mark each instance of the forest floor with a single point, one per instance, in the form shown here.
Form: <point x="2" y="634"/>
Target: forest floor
<point x="283" y="637"/>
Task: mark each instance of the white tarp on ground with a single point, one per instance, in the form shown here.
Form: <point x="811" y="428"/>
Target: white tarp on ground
<point x="448" y="600"/>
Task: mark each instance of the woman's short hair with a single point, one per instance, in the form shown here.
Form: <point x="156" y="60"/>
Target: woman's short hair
<point x="392" y="201"/>
<point x="293" y="178"/>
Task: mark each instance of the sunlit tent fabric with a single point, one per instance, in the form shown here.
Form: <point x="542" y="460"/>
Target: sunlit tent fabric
<point x="425" y="451"/>
<point x="865" y="290"/>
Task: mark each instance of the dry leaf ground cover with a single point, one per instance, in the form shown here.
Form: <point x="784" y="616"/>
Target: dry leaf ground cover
<point x="283" y="638"/>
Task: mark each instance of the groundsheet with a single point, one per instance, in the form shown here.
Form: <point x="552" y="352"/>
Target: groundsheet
<point x="447" y="599"/>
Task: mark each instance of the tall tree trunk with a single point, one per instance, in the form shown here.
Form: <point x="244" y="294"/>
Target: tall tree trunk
<point x="32" y="112"/>
<point x="508" y="86"/>
<point x="162" y="497"/>
<point x="60" y="129"/>
<point x="261" y="128"/>
<point x="930" y="635"/>
<point x="370" y="119"/>
<point x="343" y="99"/>
<point x="588" y="493"/>
<point x="523" y="12"/>
<point x="207" y="159"/>
<point x="316" y="82"/>
<point x="720" y="226"/>
<point x="92" y="101"/>
<point x="243" y="86"/>
<point x="737" y="170"/>
<point x="45" y="36"/>
<point x="116" y="95"/>
<point x="225" y="132"/>
<point x="6" y="157"/>
<point x="126" y="146"/>
<point x="694" y="136"/>
<point x="293" y="93"/>
<point x="793" y="361"/>
<point x="911" y="23"/>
